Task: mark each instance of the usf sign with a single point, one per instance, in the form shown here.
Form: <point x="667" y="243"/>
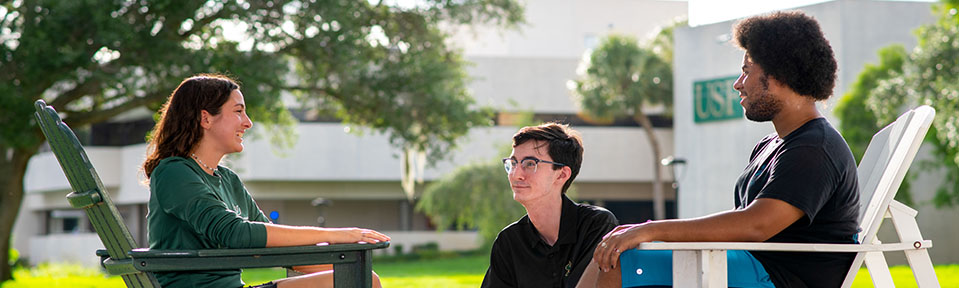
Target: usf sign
<point x="715" y="99"/>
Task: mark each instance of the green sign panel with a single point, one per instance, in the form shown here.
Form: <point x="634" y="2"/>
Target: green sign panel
<point x="715" y="99"/>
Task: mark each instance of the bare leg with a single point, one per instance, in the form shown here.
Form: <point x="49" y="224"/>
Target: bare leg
<point x="613" y="278"/>
<point x="590" y="275"/>
<point x="310" y="269"/>
<point x="318" y="279"/>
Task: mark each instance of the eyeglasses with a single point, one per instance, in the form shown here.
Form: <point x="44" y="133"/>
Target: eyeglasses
<point x="528" y="164"/>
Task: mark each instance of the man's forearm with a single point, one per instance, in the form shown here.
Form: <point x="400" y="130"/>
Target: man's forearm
<point x="756" y="223"/>
<point x="724" y="226"/>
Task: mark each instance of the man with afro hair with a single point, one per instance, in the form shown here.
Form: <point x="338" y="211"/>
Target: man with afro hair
<point x="800" y="185"/>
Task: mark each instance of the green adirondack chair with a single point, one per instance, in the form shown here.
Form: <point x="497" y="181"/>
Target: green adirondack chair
<point x="351" y="262"/>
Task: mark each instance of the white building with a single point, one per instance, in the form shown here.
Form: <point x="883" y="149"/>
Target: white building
<point x="335" y="179"/>
<point x="716" y="151"/>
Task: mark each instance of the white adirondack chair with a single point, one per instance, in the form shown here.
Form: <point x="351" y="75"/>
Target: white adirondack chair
<point x="891" y="151"/>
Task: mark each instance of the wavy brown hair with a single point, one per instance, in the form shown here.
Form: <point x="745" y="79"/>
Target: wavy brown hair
<point x="564" y="145"/>
<point x="179" y="130"/>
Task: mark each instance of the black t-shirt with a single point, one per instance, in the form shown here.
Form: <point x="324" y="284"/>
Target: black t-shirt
<point x="813" y="170"/>
<point x="520" y="258"/>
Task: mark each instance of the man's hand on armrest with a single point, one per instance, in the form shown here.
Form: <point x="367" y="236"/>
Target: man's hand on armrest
<point x="758" y="222"/>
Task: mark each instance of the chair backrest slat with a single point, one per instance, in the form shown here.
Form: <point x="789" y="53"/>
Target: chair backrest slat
<point x="89" y="193"/>
<point x="884" y="165"/>
<point x="874" y="162"/>
<point x="870" y="167"/>
<point x="881" y="170"/>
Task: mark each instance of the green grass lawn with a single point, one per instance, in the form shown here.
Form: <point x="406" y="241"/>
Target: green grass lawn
<point x="61" y="275"/>
<point x="948" y="276"/>
<point x="462" y="271"/>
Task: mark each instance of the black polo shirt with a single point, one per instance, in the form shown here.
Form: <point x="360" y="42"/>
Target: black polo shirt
<point x="520" y="257"/>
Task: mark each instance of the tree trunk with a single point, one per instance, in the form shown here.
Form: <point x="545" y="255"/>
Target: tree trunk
<point x="659" y="198"/>
<point x="13" y="166"/>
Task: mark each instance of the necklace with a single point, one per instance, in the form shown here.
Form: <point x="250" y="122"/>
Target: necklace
<point x="201" y="162"/>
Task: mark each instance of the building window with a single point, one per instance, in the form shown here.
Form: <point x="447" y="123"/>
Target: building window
<point x="67" y="222"/>
<point x="70" y="225"/>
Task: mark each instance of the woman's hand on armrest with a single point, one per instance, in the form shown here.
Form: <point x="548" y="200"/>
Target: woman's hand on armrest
<point x="354" y="235"/>
<point x="283" y="235"/>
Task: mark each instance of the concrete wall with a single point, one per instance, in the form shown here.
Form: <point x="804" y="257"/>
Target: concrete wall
<point x="325" y="152"/>
<point x="531" y="66"/>
<point x="716" y="152"/>
<point x="72" y="248"/>
<point x="566" y="28"/>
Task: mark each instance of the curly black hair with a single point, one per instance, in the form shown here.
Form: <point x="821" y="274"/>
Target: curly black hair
<point x="790" y="47"/>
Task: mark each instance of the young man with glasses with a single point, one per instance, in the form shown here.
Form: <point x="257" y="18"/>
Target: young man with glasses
<point x="552" y="245"/>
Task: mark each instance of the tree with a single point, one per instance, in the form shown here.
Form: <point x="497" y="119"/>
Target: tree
<point x="371" y="64"/>
<point x="620" y="78"/>
<point x="476" y="195"/>
<point x="857" y="122"/>
<point x="930" y="76"/>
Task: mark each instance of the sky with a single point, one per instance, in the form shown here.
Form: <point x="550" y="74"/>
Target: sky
<point x="708" y="11"/>
<point x="711" y="11"/>
<point x="700" y="11"/>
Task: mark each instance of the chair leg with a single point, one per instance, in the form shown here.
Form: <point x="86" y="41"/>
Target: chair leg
<point x="709" y="266"/>
<point x="919" y="262"/>
<point x="358" y="273"/>
<point x="878" y="270"/>
<point x="922" y="268"/>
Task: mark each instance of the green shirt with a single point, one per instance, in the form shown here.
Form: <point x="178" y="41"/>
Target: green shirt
<point x="190" y="209"/>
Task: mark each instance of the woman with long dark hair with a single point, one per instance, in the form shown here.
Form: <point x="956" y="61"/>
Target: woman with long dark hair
<point x="195" y="203"/>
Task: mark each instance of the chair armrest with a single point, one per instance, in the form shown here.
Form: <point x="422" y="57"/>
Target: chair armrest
<point x="153" y="260"/>
<point x="115" y="266"/>
<point x="703" y="264"/>
<point x="797" y="247"/>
